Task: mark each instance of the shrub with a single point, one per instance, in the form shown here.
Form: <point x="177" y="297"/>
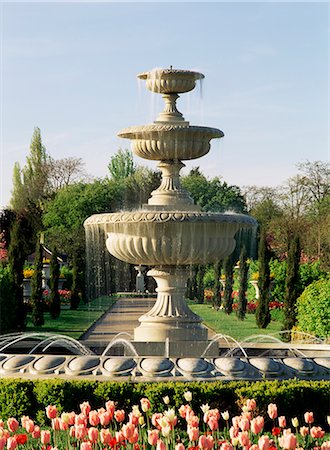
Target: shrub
<point x="313" y="309"/>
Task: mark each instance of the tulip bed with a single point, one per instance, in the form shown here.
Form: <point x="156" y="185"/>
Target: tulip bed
<point x="165" y="427"/>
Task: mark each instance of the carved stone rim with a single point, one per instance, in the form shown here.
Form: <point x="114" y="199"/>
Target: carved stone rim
<point x="135" y="131"/>
<point x="171" y="216"/>
<point x="159" y="73"/>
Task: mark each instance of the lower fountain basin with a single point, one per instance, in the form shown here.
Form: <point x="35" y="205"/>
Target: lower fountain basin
<point x="170" y="238"/>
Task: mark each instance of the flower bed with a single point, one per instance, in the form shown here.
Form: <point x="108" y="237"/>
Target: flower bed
<point x="164" y="428"/>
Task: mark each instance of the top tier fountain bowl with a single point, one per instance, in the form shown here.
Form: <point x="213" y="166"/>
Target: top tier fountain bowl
<point x="170" y="233"/>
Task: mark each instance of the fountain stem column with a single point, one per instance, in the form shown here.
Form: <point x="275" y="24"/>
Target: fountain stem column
<point x="170" y="317"/>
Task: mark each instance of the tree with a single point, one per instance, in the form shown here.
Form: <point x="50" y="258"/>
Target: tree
<point x="217" y="284"/>
<point x="8" y="317"/>
<point x="262" y="313"/>
<point x="19" y="248"/>
<point x="243" y="278"/>
<point x="65" y="171"/>
<point x="36" y="289"/>
<point x="292" y="287"/>
<point x="55" y="302"/>
<point x="229" y="281"/>
<point x="30" y="184"/>
<point x="213" y="195"/>
<point x="121" y="165"/>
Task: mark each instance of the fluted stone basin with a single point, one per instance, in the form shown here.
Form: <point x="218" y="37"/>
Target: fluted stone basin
<point x="170" y="141"/>
<point x="170" y="81"/>
<point x="155" y="238"/>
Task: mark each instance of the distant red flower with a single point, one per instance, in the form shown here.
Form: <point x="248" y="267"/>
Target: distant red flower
<point x="276" y="431"/>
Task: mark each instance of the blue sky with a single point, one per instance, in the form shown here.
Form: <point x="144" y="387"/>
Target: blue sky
<point x="70" y="69"/>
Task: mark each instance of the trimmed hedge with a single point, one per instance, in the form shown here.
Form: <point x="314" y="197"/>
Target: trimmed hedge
<point x="294" y="397"/>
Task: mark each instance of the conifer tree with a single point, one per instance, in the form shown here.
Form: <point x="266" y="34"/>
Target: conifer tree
<point x="262" y="313"/>
<point x="55" y="302"/>
<point x="217" y="285"/>
<point x="16" y="257"/>
<point x="36" y="289"/>
<point x="243" y="278"/>
<point x="292" y="288"/>
<point x="75" y="297"/>
<point x="200" y="283"/>
<point x="229" y="277"/>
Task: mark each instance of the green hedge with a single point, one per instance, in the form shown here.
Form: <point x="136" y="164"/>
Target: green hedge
<point x="293" y="397"/>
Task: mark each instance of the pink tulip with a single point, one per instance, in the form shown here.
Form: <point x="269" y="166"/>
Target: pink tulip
<point x="105" y="437"/>
<point x="80" y="431"/>
<point x="309" y="417"/>
<point x="120" y="437"/>
<point x="11" y="443"/>
<point x="85" y="408"/>
<point x="264" y="442"/>
<point x="94" y="419"/>
<point x="272" y="411"/>
<point x="244" y="424"/>
<point x="160" y="445"/>
<point x="128" y="430"/>
<point x="93" y="434"/>
<point x="317" y="432"/>
<point x="257" y="425"/>
<point x="193" y="433"/>
<point x="226" y="446"/>
<point x="193" y="421"/>
<point x="179" y="446"/>
<point x="205" y="442"/>
<point x="145" y="404"/>
<point x="36" y="432"/>
<point x="56" y="424"/>
<point x="288" y="441"/>
<point x="3" y="441"/>
<point x="110" y="407"/>
<point x="304" y="431"/>
<point x="80" y="419"/>
<point x="23" y="421"/>
<point x="154" y="419"/>
<point x="12" y="424"/>
<point x="29" y="425"/>
<point x="86" y="446"/>
<point x="133" y="418"/>
<point x="251" y="404"/>
<point x="105" y="418"/>
<point x="45" y="437"/>
<point x="119" y="415"/>
<point x="282" y="421"/>
<point x="63" y="425"/>
<point x="235" y="421"/>
<point x="153" y="436"/>
<point x="325" y="445"/>
<point x="233" y="432"/>
<point x="72" y="432"/>
<point x="253" y="447"/>
<point x="51" y="411"/>
<point x="244" y="439"/>
<point x="135" y="437"/>
<point x="213" y="423"/>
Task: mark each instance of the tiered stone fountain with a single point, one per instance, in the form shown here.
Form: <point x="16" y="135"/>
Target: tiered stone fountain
<point x="170" y="233"/>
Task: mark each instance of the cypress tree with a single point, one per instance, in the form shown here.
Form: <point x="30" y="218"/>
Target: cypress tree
<point x="37" y="290"/>
<point x="75" y="298"/>
<point x="263" y="314"/>
<point x="16" y="257"/>
<point x="292" y="287"/>
<point x="217" y="285"/>
<point x="200" y="283"/>
<point x="229" y="277"/>
<point x="243" y="278"/>
<point x="55" y="302"/>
